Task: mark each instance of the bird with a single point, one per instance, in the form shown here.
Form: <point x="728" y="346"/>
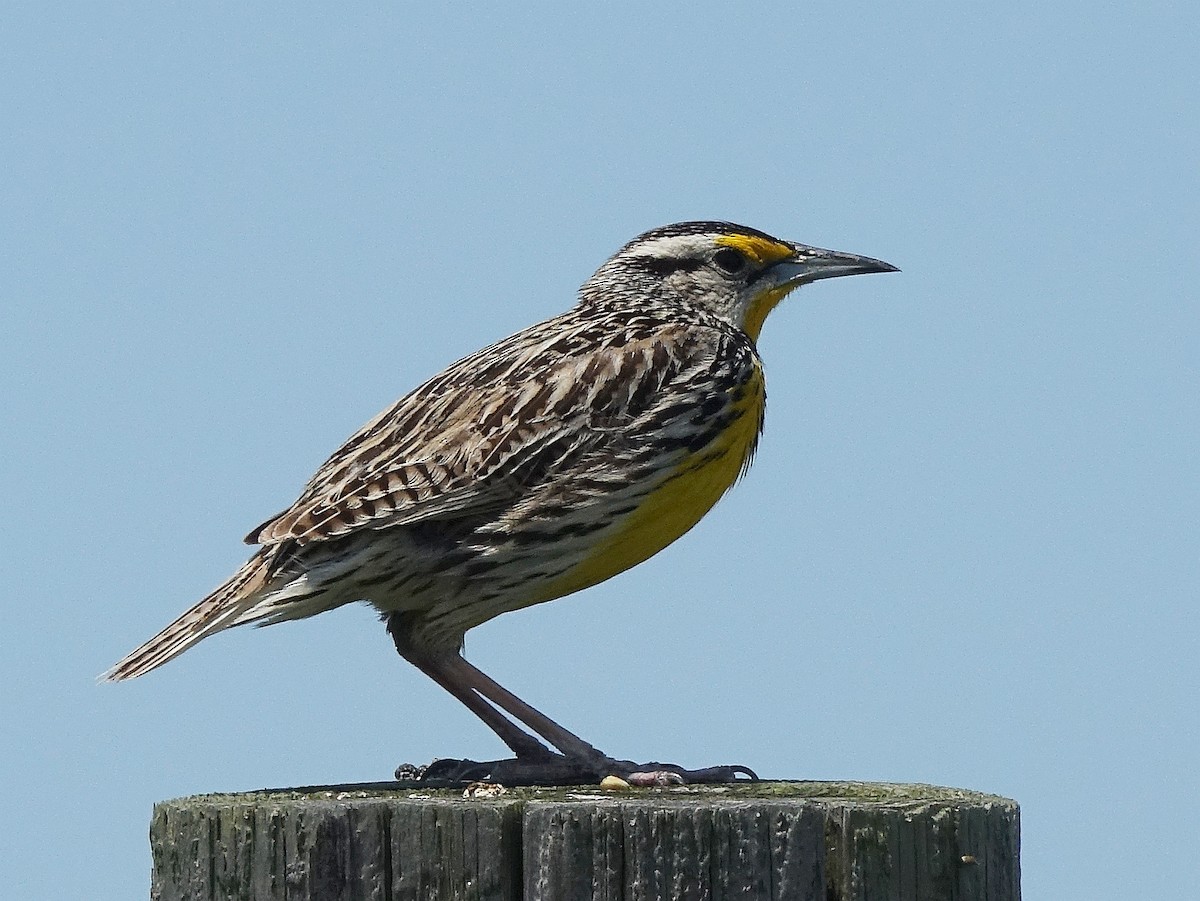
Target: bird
<point x="536" y="467"/>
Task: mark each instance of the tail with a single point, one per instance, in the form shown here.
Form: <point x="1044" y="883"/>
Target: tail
<point x="218" y="611"/>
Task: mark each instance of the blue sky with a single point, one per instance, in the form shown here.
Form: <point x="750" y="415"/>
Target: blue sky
<point x="966" y="555"/>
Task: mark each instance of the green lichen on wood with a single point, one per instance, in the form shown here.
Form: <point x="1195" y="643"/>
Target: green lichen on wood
<point x="856" y="792"/>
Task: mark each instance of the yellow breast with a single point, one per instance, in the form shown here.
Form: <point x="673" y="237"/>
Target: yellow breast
<point x="689" y="491"/>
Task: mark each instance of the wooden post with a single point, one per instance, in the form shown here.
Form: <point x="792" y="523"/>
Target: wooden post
<point x="766" y="840"/>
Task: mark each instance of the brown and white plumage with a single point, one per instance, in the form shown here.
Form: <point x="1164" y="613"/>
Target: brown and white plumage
<point x="544" y="463"/>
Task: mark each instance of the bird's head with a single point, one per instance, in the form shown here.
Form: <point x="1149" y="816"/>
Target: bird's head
<point x="735" y="272"/>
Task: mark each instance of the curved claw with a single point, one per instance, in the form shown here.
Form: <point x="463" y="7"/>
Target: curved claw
<point x="730" y="773"/>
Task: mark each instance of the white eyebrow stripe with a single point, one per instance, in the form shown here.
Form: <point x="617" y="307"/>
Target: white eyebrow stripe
<point x="673" y="246"/>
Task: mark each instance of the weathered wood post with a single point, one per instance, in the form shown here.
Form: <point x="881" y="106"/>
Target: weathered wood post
<point x="766" y="840"/>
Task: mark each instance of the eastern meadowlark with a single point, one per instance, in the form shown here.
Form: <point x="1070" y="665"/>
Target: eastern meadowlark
<point x="533" y="468"/>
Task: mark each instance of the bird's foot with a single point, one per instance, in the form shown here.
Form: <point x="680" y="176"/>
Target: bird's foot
<point x="661" y="773"/>
<point x="557" y="769"/>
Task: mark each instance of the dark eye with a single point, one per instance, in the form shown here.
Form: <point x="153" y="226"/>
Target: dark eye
<point x="729" y="260"/>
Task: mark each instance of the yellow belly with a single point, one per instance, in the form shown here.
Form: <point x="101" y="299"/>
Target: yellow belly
<point x="677" y="505"/>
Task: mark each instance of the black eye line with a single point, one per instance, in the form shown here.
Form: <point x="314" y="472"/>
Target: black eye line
<point x="664" y="266"/>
